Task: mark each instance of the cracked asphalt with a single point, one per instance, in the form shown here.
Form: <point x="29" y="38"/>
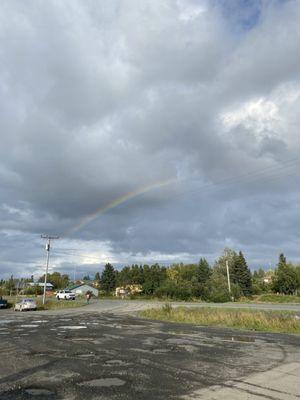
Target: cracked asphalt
<point x="72" y="355"/>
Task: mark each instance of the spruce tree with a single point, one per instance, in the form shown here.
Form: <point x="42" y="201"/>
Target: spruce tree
<point x="285" y="279"/>
<point x="203" y="271"/>
<point x="108" y="278"/>
<point x="241" y="274"/>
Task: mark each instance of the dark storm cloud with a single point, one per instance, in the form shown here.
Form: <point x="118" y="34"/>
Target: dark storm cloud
<point x="99" y="99"/>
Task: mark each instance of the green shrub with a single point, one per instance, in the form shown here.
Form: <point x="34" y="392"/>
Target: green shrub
<point x="175" y="291"/>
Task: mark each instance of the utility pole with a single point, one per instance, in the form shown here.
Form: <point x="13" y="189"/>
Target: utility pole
<point x="228" y="277"/>
<point x="74" y="275"/>
<point x="48" y="245"/>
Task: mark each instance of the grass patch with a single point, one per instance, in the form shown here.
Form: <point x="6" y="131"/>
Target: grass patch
<point x="265" y="321"/>
<point x="54" y="304"/>
<point x="276" y="298"/>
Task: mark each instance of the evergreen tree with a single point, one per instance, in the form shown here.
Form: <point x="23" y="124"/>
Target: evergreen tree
<point x="108" y="278"/>
<point x="203" y="271"/>
<point x="259" y="286"/>
<point x="241" y="274"/>
<point x="281" y="261"/>
<point x="285" y="279"/>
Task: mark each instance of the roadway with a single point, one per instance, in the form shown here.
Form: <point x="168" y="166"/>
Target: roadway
<point x="103" y="351"/>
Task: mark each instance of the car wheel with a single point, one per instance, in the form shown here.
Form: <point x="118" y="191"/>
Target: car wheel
<point x="57" y="297"/>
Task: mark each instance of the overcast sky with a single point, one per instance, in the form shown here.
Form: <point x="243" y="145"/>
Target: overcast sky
<point x="100" y="99"/>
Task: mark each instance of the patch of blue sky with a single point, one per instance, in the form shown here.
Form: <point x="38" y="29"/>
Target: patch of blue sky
<point x="243" y="15"/>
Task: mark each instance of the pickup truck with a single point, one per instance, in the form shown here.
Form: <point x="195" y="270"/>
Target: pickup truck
<point x="3" y="303"/>
<point x="65" y="295"/>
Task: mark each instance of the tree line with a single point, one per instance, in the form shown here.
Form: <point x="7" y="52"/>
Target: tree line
<point x="187" y="281"/>
<point x="210" y="283"/>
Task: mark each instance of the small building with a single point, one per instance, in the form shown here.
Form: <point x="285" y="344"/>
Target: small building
<point x="124" y="291"/>
<point x="269" y="276"/>
<point x="81" y="289"/>
<point x="121" y="292"/>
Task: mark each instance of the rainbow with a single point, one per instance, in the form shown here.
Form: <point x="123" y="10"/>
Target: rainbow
<point x="120" y="200"/>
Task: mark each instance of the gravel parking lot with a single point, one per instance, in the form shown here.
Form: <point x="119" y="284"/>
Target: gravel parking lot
<point x="85" y="354"/>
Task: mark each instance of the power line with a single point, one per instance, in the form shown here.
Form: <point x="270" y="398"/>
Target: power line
<point x="243" y="178"/>
<point x="101" y="261"/>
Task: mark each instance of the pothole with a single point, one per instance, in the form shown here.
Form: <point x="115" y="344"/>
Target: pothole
<point x="247" y="339"/>
<point x="39" y="392"/>
<point x="85" y="355"/>
<point x="29" y="326"/>
<point x="116" y="363"/>
<point x="103" y="382"/>
<point x="40" y="321"/>
<point x="72" y="327"/>
<point x="161" y="351"/>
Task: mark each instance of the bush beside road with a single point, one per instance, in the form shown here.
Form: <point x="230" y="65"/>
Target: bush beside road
<point x="273" y="298"/>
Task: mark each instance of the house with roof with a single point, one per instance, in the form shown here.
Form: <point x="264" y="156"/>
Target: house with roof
<point x="83" y="288"/>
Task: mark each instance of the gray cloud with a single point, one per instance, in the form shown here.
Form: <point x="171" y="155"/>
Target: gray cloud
<point x="100" y="99"/>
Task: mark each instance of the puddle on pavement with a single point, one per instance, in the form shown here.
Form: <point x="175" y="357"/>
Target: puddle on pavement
<point x="189" y="348"/>
<point x="86" y="355"/>
<point x="115" y="326"/>
<point x="152" y="341"/>
<point x="6" y="321"/>
<point x="29" y="326"/>
<point x="103" y="382"/>
<point x="237" y="338"/>
<point x="180" y="341"/>
<point x="39" y="392"/>
<point x="106" y="335"/>
<point x="72" y="327"/>
<point x="40" y="321"/>
<point x="161" y="351"/>
<point x="247" y="339"/>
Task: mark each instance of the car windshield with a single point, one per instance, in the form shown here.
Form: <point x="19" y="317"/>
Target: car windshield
<point x="67" y="291"/>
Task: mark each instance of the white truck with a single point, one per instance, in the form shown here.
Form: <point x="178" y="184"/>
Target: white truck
<point x="65" y="295"/>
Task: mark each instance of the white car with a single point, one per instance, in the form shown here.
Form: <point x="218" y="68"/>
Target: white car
<point x="65" y="295"/>
<point x="25" y="305"/>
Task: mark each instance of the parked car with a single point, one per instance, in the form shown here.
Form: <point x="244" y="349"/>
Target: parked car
<point x="3" y="303"/>
<point x="25" y="305"/>
<point x="65" y="295"/>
